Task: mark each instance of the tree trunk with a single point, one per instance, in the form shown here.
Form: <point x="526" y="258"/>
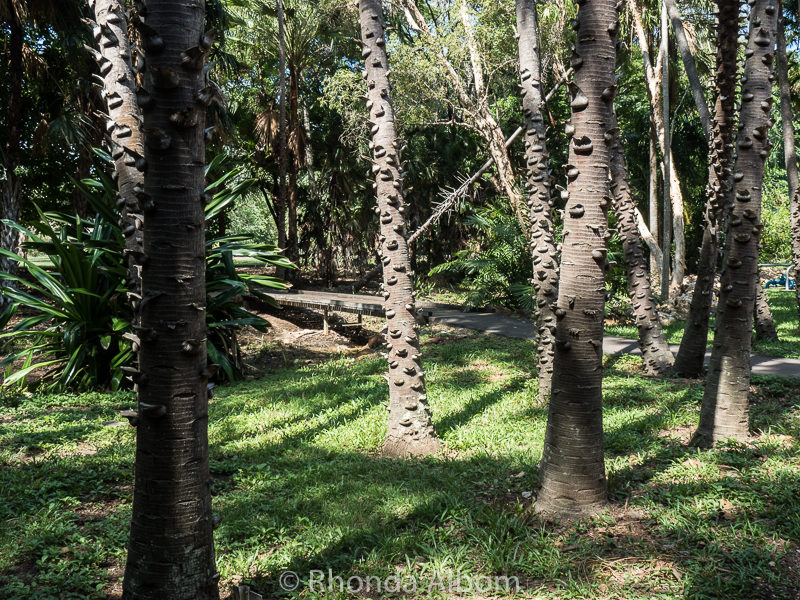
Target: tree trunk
<point x="171" y="552"/>
<point x="9" y="238"/>
<point x="656" y="354"/>
<point x="790" y="155"/>
<point x="292" y="249"/>
<point x="573" y="468"/>
<point x="540" y="202"/>
<point x="762" y="316"/>
<point x="283" y="159"/>
<point x="666" y="147"/>
<point x="410" y="429"/>
<point x="110" y="29"/>
<point x="691" y="355"/>
<point x="675" y="207"/>
<point x="724" y="412"/>
<point x="655" y="258"/>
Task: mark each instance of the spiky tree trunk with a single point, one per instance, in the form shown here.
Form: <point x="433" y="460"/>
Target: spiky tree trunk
<point x="764" y="324"/>
<point x="690" y="357"/>
<point x="540" y="202"/>
<point x="410" y="430"/>
<point x="572" y="468"/>
<point x="790" y="155"/>
<point x="110" y="30"/>
<point x="656" y="354"/>
<point x="170" y="552"/>
<point x="724" y="412"/>
<point x="655" y="257"/>
<point x="9" y="209"/>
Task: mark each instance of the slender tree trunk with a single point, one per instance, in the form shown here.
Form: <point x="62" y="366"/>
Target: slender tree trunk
<point x="170" y="551"/>
<point x="656" y="354"/>
<point x="765" y="330"/>
<point x="790" y="155"/>
<point x="573" y="468"/>
<point x="724" y="412"/>
<point x="691" y="355"/>
<point x="655" y="258"/>
<point x="540" y="202"/>
<point x="9" y="238"/>
<point x="110" y="30"/>
<point x="292" y="248"/>
<point x="410" y="429"/>
<point x="283" y="192"/>
<point x="675" y="207"/>
<point x="666" y="145"/>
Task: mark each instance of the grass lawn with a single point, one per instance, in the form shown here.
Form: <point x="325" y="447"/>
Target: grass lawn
<point x="299" y="485"/>
<point x="784" y="311"/>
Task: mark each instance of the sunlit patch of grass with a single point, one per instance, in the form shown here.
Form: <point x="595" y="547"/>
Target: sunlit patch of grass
<point x="784" y="312"/>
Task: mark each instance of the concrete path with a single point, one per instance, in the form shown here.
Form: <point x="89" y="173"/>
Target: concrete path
<point x="494" y="324"/>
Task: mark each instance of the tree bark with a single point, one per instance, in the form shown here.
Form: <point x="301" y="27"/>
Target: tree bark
<point x="655" y="258"/>
<point x="765" y="330"/>
<point x="292" y="248"/>
<point x="790" y="155"/>
<point x="691" y="355"/>
<point x="572" y="470"/>
<point x="666" y="145"/>
<point x="9" y="237"/>
<point x="540" y="201"/>
<point x="410" y="429"/>
<point x="110" y="30"/>
<point x="656" y="354"/>
<point x="170" y="551"/>
<point x="724" y="412"/>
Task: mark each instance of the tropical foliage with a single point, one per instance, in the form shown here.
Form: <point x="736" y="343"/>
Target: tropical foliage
<point x="70" y="306"/>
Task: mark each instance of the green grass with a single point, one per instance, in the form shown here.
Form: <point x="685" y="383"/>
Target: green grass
<point x="300" y="485"/>
<point x="784" y="312"/>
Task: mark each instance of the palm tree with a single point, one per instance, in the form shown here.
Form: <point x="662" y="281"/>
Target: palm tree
<point x="724" y="412"/>
<point x="690" y="357"/>
<point x="410" y="430"/>
<point x="572" y="470"/>
<point x="170" y="550"/>
<point x="540" y="201"/>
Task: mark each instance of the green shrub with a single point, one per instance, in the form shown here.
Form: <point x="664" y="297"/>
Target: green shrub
<point x="498" y="268"/>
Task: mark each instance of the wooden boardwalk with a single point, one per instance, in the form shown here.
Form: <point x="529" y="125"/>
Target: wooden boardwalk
<point x="328" y="302"/>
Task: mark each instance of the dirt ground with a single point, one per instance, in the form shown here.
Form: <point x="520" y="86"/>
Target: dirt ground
<point x="296" y="337"/>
